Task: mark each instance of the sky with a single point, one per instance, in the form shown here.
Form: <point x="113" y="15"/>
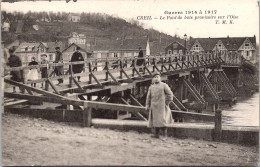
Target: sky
<point x="245" y="14"/>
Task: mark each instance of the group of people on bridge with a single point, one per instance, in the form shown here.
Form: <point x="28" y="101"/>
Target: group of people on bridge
<point x="33" y="74"/>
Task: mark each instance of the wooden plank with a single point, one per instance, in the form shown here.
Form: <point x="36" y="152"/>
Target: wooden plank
<point x="137" y="114"/>
<point x="175" y="105"/>
<point x="157" y="69"/>
<point x="195" y="116"/>
<point x="95" y="78"/>
<point x="49" y="99"/>
<point x="15" y="102"/>
<point x="123" y="71"/>
<point x="76" y="82"/>
<point x="210" y="87"/>
<point x="137" y="72"/>
<point x="53" y="87"/>
<point x="193" y="91"/>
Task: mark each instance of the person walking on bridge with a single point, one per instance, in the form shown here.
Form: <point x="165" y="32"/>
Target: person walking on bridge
<point x="77" y="68"/>
<point x="140" y="60"/>
<point x="59" y="69"/>
<point x="157" y="103"/>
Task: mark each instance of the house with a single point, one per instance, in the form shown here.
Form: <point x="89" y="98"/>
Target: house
<point x="175" y="48"/>
<point x="245" y="46"/>
<point x="27" y="50"/>
<point x="74" y="17"/>
<point x="119" y="48"/>
<point x="77" y="38"/>
<point x="6" y="25"/>
<point x="68" y="51"/>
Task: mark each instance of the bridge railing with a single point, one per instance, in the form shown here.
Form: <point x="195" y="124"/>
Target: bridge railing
<point x="102" y="65"/>
<point x="232" y="58"/>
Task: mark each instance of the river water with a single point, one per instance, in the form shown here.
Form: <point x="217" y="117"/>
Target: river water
<point x="244" y="113"/>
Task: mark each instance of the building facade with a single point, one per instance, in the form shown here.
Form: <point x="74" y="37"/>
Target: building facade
<point x="245" y="46"/>
<point x="68" y="52"/>
<point x="175" y="48"/>
<point x="74" y="17"/>
<point x="27" y="50"/>
<point x="77" y="39"/>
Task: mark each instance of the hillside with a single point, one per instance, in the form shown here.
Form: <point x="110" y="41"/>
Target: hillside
<point x="55" y="26"/>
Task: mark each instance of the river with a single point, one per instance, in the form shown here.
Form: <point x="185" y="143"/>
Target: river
<point x="244" y="113"/>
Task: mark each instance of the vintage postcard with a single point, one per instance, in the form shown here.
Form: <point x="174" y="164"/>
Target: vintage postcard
<point x="132" y="82"/>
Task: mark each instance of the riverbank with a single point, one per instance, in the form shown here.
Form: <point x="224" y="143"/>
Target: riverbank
<point x="30" y="141"/>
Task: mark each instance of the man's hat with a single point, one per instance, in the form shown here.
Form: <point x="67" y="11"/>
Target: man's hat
<point x="78" y="48"/>
<point x="156" y="73"/>
<point x="57" y="48"/>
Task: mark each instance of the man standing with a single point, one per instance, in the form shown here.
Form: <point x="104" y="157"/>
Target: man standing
<point x="157" y="103"/>
<point x="140" y="60"/>
<point x="15" y="61"/>
<point x="59" y="69"/>
<point x="77" y="68"/>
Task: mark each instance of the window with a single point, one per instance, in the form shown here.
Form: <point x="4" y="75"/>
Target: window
<point x="180" y="52"/>
<point x="247" y="44"/>
<point x="50" y="57"/>
<point x="74" y="49"/>
<point x="219" y="45"/>
<point x="196" y="48"/>
<point x="169" y="51"/>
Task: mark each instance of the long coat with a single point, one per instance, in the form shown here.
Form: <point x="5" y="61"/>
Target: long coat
<point x="15" y="61"/>
<point x="58" y="59"/>
<point x="77" y="68"/>
<point x="140" y="61"/>
<point x="158" y="98"/>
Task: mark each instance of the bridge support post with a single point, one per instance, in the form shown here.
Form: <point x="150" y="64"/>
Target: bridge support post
<point x="87" y="116"/>
<point x="218" y="125"/>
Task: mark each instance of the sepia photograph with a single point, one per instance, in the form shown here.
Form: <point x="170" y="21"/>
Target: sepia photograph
<point x="130" y="82"/>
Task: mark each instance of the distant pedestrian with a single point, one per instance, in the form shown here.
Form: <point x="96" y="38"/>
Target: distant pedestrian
<point x="157" y="103"/>
<point x="140" y="60"/>
<point x="77" y="68"/>
<point x="44" y="70"/>
<point x="15" y="61"/>
<point x="59" y="69"/>
<point x="33" y="72"/>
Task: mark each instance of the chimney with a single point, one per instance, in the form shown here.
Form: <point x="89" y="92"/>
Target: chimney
<point x="228" y="37"/>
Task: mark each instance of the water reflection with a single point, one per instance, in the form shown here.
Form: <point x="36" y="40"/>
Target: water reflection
<point x="245" y="113"/>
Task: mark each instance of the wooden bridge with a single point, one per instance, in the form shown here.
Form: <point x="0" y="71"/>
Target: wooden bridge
<point x="116" y="88"/>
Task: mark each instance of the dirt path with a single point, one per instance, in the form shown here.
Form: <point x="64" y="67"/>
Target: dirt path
<point x="30" y="141"/>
